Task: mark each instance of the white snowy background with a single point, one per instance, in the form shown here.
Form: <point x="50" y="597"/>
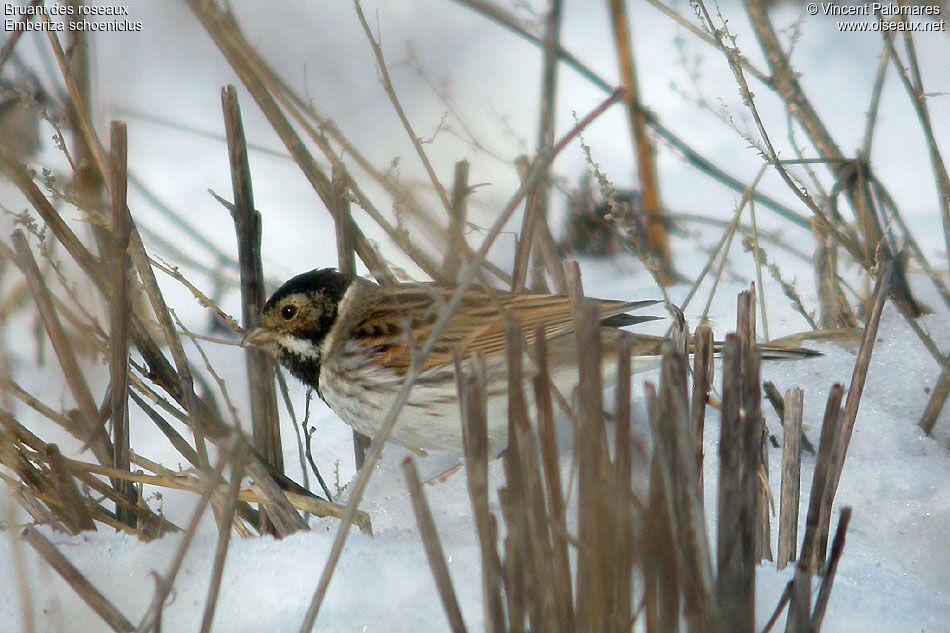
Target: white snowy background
<point x="895" y="571"/>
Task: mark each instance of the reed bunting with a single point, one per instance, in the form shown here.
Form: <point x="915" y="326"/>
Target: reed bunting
<point x="353" y="341"/>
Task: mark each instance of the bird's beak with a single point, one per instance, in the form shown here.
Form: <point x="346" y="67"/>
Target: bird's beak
<point x="260" y="337"/>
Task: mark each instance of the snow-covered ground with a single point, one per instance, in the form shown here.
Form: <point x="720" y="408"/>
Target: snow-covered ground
<point x="895" y="572"/>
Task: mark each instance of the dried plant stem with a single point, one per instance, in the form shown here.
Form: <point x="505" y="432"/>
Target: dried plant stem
<point x="167" y="581"/>
<point x="247" y="224"/>
<point x="643" y="146"/>
<point x="791" y="475"/>
<point x="119" y="313"/>
<point x="457" y="218"/>
<point x="536" y="204"/>
<point x="79" y="583"/>
<point x="346" y="263"/>
<point x="818" y="502"/>
<point x="433" y="547"/>
<point x="475" y="438"/>
<point x="224" y="537"/>
<point x="827" y="581"/>
<point x="92" y="431"/>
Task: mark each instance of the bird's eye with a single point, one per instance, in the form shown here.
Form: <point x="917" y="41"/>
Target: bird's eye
<point x="288" y="312"/>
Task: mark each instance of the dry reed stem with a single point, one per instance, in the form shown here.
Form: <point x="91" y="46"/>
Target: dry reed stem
<point x="622" y="498"/>
<point x="433" y="547"/>
<point x="225" y="521"/>
<point x="818" y="500"/>
<point x="119" y="314"/>
<point x="265" y="420"/>
<point x="279" y="510"/>
<point x="457" y="219"/>
<point x="92" y="431"/>
<point x="77" y="581"/>
<point x="827" y="581"/>
<point x="855" y="389"/>
<point x="537" y="200"/>
<point x="475" y="438"/>
<point x="703" y="378"/>
<point x="674" y="446"/>
<point x="734" y="568"/>
<point x="791" y="476"/>
<point x="642" y="144"/>
<point x="661" y="602"/>
<point x="346" y="264"/>
<point x="594" y="557"/>
<point x="799" y="604"/>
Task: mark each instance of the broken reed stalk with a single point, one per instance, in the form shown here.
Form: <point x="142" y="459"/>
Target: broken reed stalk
<point x="703" y="377"/>
<point x="595" y="559"/>
<point x="346" y="263"/>
<point x="280" y="512"/>
<point x="77" y="581"/>
<point x="818" y="501"/>
<point x="457" y="218"/>
<point x="735" y="532"/>
<point x="642" y="144"/>
<point x="675" y="449"/>
<point x="552" y="481"/>
<point x="247" y="224"/>
<point x="661" y="598"/>
<point x="433" y="547"/>
<point x="475" y="438"/>
<point x="791" y="477"/>
<point x="622" y="497"/>
<point x="119" y="316"/>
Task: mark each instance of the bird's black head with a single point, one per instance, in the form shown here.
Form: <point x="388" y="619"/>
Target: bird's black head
<point x="297" y="318"/>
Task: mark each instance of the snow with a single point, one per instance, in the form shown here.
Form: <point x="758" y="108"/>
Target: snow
<point x="895" y="571"/>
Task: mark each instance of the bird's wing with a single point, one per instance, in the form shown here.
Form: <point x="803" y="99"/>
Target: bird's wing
<point x="408" y="313"/>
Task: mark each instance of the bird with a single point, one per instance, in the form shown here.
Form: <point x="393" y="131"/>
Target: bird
<point x="353" y="341"/>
